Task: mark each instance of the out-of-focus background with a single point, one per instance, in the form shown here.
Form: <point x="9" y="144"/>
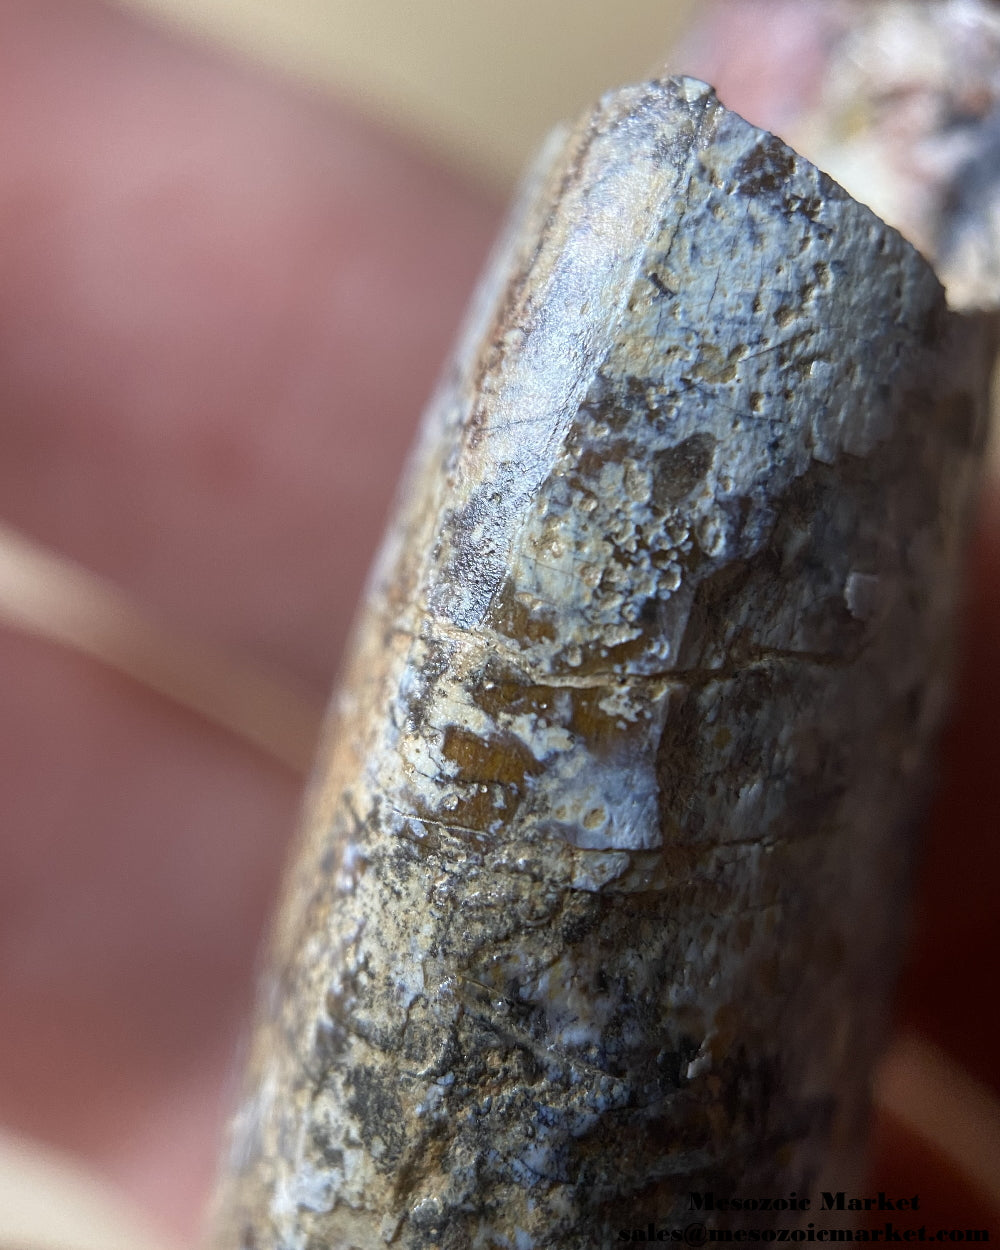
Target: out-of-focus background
<point x="474" y="84"/>
<point x="478" y="83"/>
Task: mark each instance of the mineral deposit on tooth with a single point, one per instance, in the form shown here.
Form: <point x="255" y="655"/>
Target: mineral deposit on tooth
<point x="597" y="901"/>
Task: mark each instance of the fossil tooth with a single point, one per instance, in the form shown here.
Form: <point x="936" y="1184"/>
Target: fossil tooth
<point x="597" y="900"/>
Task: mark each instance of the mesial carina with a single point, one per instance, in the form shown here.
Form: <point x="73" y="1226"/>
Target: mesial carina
<point x="598" y="895"/>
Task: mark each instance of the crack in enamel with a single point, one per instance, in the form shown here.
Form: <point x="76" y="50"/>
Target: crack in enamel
<point x="597" y="899"/>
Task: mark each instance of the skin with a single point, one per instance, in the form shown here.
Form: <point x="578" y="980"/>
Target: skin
<point x="222" y="305"/>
